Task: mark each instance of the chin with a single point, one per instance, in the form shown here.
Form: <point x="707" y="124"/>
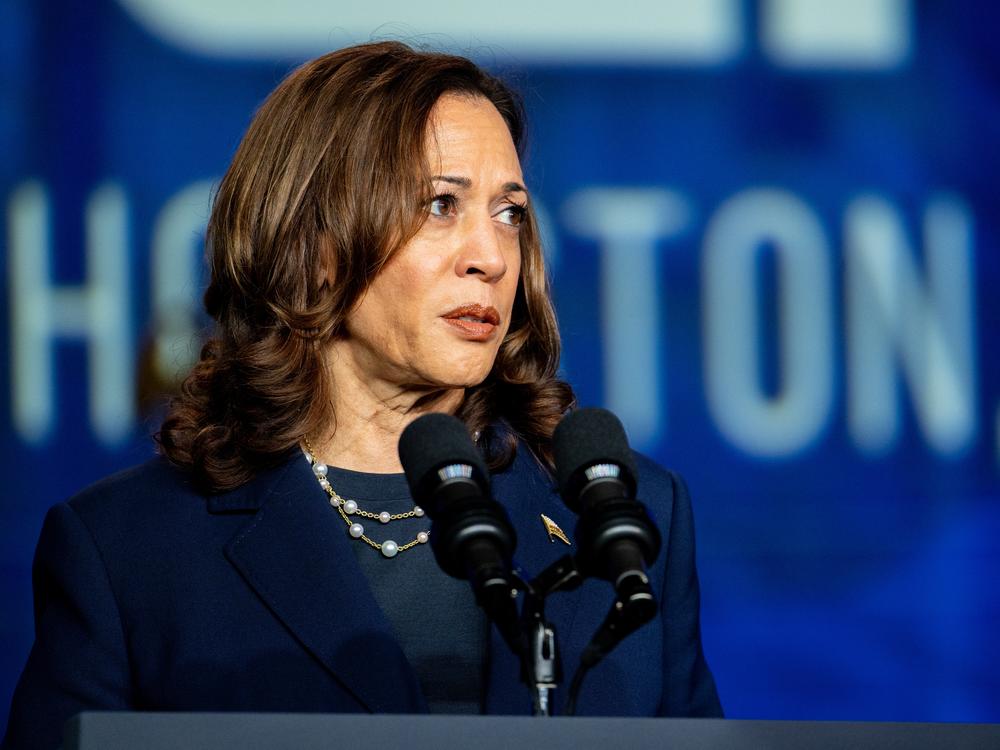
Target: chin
<point x="466" y="375"/>
<point x="472" y="381"/>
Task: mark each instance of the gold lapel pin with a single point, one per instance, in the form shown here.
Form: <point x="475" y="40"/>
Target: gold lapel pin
<point x="553" y="529"/>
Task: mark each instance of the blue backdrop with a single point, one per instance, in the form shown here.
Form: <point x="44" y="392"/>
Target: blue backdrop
<point x="773" y="235"/>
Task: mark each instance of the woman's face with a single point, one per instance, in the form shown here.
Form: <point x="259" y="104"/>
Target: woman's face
<point x="437" y="312"/>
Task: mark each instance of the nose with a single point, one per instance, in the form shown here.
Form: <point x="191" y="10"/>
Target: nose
<point x="482" y="250"/>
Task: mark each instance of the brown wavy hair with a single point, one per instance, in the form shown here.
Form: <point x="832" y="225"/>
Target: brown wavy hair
<point x="328" y="182"/>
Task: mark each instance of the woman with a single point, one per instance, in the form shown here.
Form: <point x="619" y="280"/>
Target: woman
<point x="374" y="257"/>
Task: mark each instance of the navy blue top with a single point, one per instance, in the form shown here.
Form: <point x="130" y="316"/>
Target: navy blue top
<point x="434" y="617"/>
<point x="151" y="596"/>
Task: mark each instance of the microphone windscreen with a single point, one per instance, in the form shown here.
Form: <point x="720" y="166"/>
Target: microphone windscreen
<point x="433" y="441"/>
<point x="586" y="437"/>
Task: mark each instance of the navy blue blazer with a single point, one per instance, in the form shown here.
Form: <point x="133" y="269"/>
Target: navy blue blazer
<point x="151" y="596"/>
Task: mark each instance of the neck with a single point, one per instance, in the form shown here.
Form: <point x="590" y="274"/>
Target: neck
<point x="369" y="416"/>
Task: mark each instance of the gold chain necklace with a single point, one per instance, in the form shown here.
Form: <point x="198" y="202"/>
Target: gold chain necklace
<point x="349" y="508"/>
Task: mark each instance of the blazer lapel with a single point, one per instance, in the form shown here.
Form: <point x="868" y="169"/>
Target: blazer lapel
<point x="295" y="555"/>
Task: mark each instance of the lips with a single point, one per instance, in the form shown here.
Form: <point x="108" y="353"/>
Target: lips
<point x="473" y="322"/>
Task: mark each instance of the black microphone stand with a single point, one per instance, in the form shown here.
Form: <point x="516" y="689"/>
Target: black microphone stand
<point x="541" y="666"/>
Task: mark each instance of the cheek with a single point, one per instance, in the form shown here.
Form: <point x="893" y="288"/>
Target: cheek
<point x="380" y="311"/>
<point x="397" y="301"/>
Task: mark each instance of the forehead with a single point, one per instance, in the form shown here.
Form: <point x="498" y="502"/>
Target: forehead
<point x="468" y="131"/>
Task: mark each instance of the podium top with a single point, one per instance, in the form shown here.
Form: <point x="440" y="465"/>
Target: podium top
<point x="219" y="731"/>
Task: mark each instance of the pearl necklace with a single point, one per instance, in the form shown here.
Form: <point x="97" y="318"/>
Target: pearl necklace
<point x="348" y="508"/>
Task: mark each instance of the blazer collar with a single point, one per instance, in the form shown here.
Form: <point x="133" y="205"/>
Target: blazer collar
<point x="295" y="555"/>
<point x="251" y="496"/>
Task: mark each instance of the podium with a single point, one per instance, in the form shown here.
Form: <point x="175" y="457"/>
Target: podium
<point x="246" y="731"/>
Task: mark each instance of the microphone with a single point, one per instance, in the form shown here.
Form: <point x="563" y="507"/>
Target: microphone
<point x="616" y="539"/>
<point x="471" y="535"/>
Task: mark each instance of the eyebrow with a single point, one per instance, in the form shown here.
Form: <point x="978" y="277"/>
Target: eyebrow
<point x="465" y="182"/>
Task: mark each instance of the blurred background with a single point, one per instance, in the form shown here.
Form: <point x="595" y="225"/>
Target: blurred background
<point x="772" y="228"/>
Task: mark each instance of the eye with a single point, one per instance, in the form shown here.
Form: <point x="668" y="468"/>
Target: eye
<point x="442" y="205"/>
<point x="513" y="215"/>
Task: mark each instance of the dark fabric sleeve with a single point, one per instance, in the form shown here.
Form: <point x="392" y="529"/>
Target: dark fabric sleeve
<point x="78" y="661"/>
<point x="689" y="689"/>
